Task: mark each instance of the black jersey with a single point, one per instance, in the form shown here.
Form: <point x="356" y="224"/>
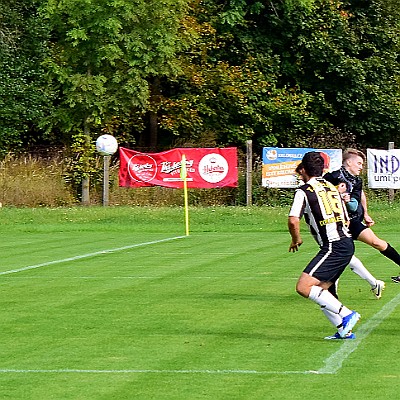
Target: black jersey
<point x="353" y="187"/>
<point x="323" y="210"/>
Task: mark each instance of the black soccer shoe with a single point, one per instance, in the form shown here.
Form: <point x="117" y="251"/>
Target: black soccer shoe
<point x="395" y="279"/>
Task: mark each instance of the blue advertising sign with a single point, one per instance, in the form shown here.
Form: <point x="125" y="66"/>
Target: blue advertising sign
<point x="279" y="165"/>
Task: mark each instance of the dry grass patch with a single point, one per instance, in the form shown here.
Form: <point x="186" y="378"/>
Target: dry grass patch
<point x="31" y="182"/>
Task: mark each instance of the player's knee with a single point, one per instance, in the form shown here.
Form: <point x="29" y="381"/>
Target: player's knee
<point x="302" y="289"/>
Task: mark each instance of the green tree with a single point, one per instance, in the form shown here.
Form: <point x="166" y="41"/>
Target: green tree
<point x="104" y="56"/>
<point x="291" y="73"/>
<point x="105" y="53"/>
<point x="24" y="97"/>
<point x="345" y="55"/>
<point x="199" y="72"/>
<point x="230" y="88"/>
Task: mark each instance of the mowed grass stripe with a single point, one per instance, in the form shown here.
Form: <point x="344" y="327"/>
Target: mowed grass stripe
<point x="18" y="252"/>
<point x="244" y="316"/>
<point x="82" y="256"/>
<point x="195" y="296"/>
<point x="150" y="371"/>
<point x="332" y="364"/>
<point x="158" y="313"/>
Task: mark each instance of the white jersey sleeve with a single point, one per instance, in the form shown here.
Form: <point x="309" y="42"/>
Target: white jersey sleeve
<point x="298" y="205"/>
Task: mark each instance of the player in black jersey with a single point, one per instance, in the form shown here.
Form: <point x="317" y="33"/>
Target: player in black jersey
<point x="360" y="220"/>
<point x="321" y="205"/>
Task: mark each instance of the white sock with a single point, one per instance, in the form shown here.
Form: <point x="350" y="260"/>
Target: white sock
<point x="325" y="299"/>
<point x="358" y="267"/>
<point x="334" y="319"/>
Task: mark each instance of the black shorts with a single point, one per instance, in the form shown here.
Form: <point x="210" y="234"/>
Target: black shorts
<point x="331" y="260"/>
<point x="356" y="227"/>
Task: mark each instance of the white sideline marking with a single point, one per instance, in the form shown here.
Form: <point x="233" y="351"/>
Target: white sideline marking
<point x="335" y="361"/>
<point x="154" y="371"/>
<point x="96" y="253"/>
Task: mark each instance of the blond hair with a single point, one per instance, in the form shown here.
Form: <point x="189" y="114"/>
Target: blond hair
<point x="350" y="153"/>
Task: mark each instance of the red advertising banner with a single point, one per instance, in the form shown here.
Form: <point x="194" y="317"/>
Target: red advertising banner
<point x="205" y="168"/>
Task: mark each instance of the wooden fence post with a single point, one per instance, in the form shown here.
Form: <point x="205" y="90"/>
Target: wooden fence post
<point x="391" y="191"/>
<point x="249" y="172"/>
<point x="106" y="179"/>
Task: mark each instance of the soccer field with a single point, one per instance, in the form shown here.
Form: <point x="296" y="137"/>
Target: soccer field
<point x="116" y="303"/>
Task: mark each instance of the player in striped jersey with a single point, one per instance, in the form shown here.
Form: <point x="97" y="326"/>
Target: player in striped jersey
<point x="321" y="205"/>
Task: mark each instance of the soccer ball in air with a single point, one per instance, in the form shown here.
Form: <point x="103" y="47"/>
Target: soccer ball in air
<point x="106" y="145"/>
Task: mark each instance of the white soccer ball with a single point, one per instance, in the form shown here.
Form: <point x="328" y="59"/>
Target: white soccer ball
<point x="106" y="145"/>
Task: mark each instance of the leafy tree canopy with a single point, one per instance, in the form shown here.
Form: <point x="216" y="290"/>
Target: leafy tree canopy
<point x="290" y="73"/>
<point x="24" y="95"/>
<point x="103" y="54"/>
<point x="201" y="72"/>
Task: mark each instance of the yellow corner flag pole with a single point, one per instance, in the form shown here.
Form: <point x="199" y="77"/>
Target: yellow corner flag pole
<point x="185" y="192"/>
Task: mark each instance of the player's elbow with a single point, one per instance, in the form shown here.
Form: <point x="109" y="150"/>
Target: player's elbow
<point x="293" y="222"/>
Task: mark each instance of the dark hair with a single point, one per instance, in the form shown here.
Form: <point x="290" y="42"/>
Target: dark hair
<point x="313" y="163"/>
<point x="299" y="168"/>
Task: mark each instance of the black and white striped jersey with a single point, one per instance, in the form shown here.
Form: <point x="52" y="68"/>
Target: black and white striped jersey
<point x="323" y="210"/>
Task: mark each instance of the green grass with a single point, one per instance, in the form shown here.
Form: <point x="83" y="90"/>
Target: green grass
<point x="209" y="316"/>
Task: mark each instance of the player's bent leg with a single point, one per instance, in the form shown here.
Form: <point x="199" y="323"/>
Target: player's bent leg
<point x="305" y="283"/>
<point x="326" y="300"/>
<point x="333" y="289"/>
<point x="368" y="236"/>
<point x="358" y="268"/>
<point x="392" y="254"/>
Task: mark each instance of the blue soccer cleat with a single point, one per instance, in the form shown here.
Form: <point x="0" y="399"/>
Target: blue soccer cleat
<point x="348" y="323"/>
<point x="336" y="336"/>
